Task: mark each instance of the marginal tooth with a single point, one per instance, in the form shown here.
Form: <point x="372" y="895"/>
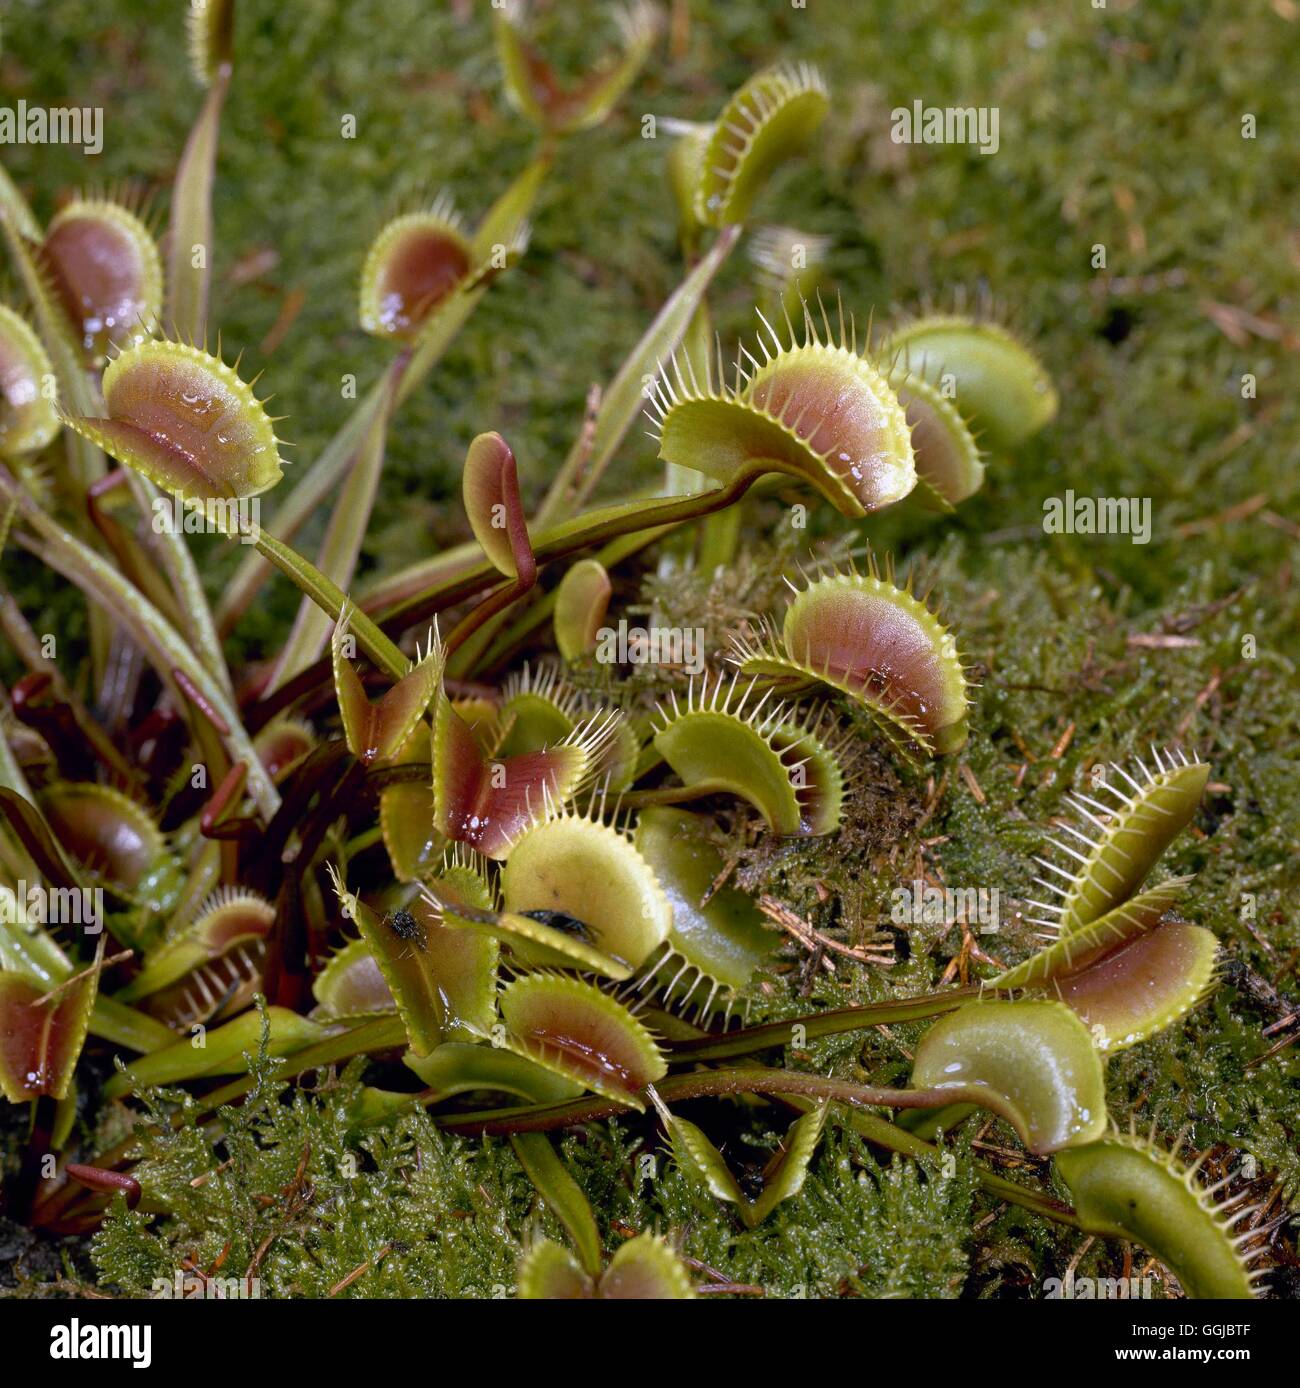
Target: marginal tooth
<point x="1069" y="852"/>
<point x="1076" y="804"/>
<point x="1109" y="814"/>
<point x="1083" y="838"/>
<point x="202" y="984"/>
<point x="1137" y="789"/>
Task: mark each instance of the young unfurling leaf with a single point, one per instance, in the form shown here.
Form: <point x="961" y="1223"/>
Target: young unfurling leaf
<point x="495" y="511"/>
<point x="376" y="731"/>
<point x="581" y="602"/>
<point x="537" y="92"/>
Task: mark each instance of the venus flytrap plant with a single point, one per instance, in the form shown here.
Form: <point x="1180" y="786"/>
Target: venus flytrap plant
<point x="860" y="634"/>
<point x="996" y="380"/>
<point x="442" y="978"/>
<point x="1144" y="987"/>
<point x="166" y="649"/>
<point x="190" y="237"/>
<point x="1128" y="822"/>
<point x="103" y="264"/>
<point x="949" y="463"/>
<point x="187" y="422"/>
<point x="756" y="748"/>
<point x="22" y="233"/>
<point x="490" y="805"/>
<point x="540" y="707"/>
<point x="812" y="408"/>
<point x="579" y="1032"/>
<point x="535" y="90"/>
<point x="495" y="510"/>
<point x="408" y="282"/>
<point x="717" y="943"/>
<point x="716" y="172"/>
<point x="30" y="419"/>
<point x="351" y="986"/>
<point x="563" y="1195"/>
<point x="535" y="935"/>
<point x="502" y="237"/>
<point x="377" y="732"/>
<point x="209" y="967"/>
<point x="754" y="1199"/>
<point x="773" y="115"/>
<point x="1068" y="954"/>
<point x="476" y="864"/>
<point x="581" y="601"/>
<point x="106" y="832"/>
<point x="574" y="866"/>
<point x="43" y="1032"/>
<point x="1033" y="1063"/>
<point x="1126" y="1187"/>
<point x="422" y="273"/>
<point x="642" y="1269"/>
<point x="415" y="265"/>
<point x="95" y="280"/>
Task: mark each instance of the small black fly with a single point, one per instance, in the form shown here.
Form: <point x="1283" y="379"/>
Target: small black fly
<point x="751" y="1182"/>
<point x="405" y="926"/>
<point x="565" y="923"/>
